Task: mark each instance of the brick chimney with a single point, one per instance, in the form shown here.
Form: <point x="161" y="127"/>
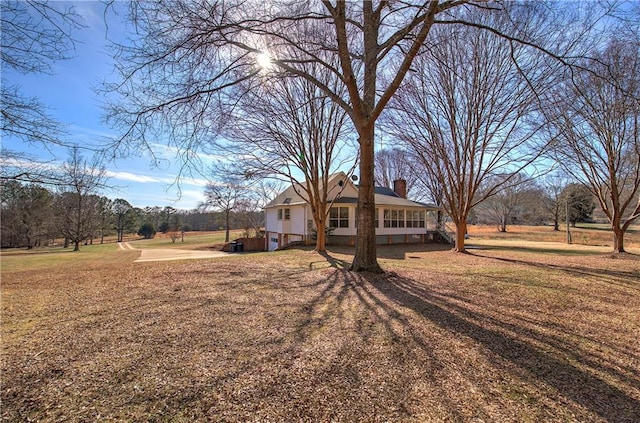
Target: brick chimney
<point x="400" y="187"/>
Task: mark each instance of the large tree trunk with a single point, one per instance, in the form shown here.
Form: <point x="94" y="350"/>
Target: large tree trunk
<point x="618" y="240"/>
<point x="365" y="254"/>
<point x="76" y="246"/>
<point x="461" y="231"/>
<point x="321" y="238"/>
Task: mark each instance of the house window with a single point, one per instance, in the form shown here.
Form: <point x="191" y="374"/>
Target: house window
<point x="393" y="218"/>
<point x="415" y="219"/>
<point x="284" y="213"/>
<point x="339" y="217"/>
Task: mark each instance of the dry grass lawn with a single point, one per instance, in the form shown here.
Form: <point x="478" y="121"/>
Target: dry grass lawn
<point x="528" y="334"/>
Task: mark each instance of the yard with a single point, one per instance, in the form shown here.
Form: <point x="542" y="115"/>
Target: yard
<point x="515" y="331"/>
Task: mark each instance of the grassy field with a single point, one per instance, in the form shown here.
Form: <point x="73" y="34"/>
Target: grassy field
<point x="584" y="234"/>
<point x="192" y="240"/>
<point x="517" y="330"/>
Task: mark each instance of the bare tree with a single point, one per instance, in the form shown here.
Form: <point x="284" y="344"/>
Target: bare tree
<point x="289" y="128"/>
<point x="175" y="78"/>
<point x="225" y="196"/>
<point x="464" y="114"/>
<point x="509" y="201"/>
<point x="598" y="128"/>
<point x="190" y="53"/>
<point x="397" y="163"/>
<point x="553" y="185"/>
<point x="78" y="206"/>
<point x="35" y="34"/>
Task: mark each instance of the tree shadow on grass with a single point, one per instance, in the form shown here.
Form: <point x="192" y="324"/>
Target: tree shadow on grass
<point x="628" y="279"/>
<point x="394" y="251"/>
<point x="580" y="386"/>
<point x="335" y="262"/>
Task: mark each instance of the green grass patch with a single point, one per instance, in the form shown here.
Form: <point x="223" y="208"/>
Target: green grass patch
<point x="192" y="240"/>
<point x="58" y="257"/>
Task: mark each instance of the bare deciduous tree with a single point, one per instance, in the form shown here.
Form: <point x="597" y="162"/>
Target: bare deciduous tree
<point x="78" y="206"/>
<point x="598" y="127"/>
<point x="289" y="128"/>
<point x="35" y="34"/>
<point x="464" y="113"/>
<point x="225" y="196"/>
<point x="190" y="53"/>
<point x="553" y="185"/>
<point x="509" y="201"/>
<point x="397" y="163"/>
<point x="174" y="78"/>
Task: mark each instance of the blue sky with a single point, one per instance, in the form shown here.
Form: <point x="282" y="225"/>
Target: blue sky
<point x="71" y="100"/>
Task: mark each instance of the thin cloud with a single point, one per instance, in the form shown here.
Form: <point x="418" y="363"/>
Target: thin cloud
<point x="146" y="179"/>
<point x="132" y="177"/>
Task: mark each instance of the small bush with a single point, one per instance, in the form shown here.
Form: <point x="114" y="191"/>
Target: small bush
<point x="147" y="231"/>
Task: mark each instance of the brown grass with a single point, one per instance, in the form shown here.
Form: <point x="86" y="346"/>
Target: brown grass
<point x="584" y="234"/>
<point x="501" y="334"/>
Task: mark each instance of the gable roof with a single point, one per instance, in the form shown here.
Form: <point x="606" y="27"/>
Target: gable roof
<point x="384" y="196"/>
<point x="290" y="197"/>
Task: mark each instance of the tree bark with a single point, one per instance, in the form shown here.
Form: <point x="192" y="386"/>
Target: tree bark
<point x="618" y="240"/>
<point x="321" y="238"/>
<point x="365" y="258"/>
<point x="461" y="231"/>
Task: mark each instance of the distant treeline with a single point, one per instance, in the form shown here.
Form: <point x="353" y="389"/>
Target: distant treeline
<point x="33" y="215"/>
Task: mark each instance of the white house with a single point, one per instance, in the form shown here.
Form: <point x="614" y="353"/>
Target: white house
<point x="288" y="217"/>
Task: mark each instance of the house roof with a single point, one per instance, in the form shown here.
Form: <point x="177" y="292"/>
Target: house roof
<point x="290" y="197"/>
<point x="388" y="200"/>
<point x="383" y="196"/>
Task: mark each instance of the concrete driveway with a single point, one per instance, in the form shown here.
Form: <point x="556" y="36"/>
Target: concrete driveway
<point x="165" y="254"/>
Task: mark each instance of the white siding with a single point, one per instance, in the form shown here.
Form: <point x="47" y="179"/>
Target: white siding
<point x="298" y="222"/>
<point x="271" y="220"/>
